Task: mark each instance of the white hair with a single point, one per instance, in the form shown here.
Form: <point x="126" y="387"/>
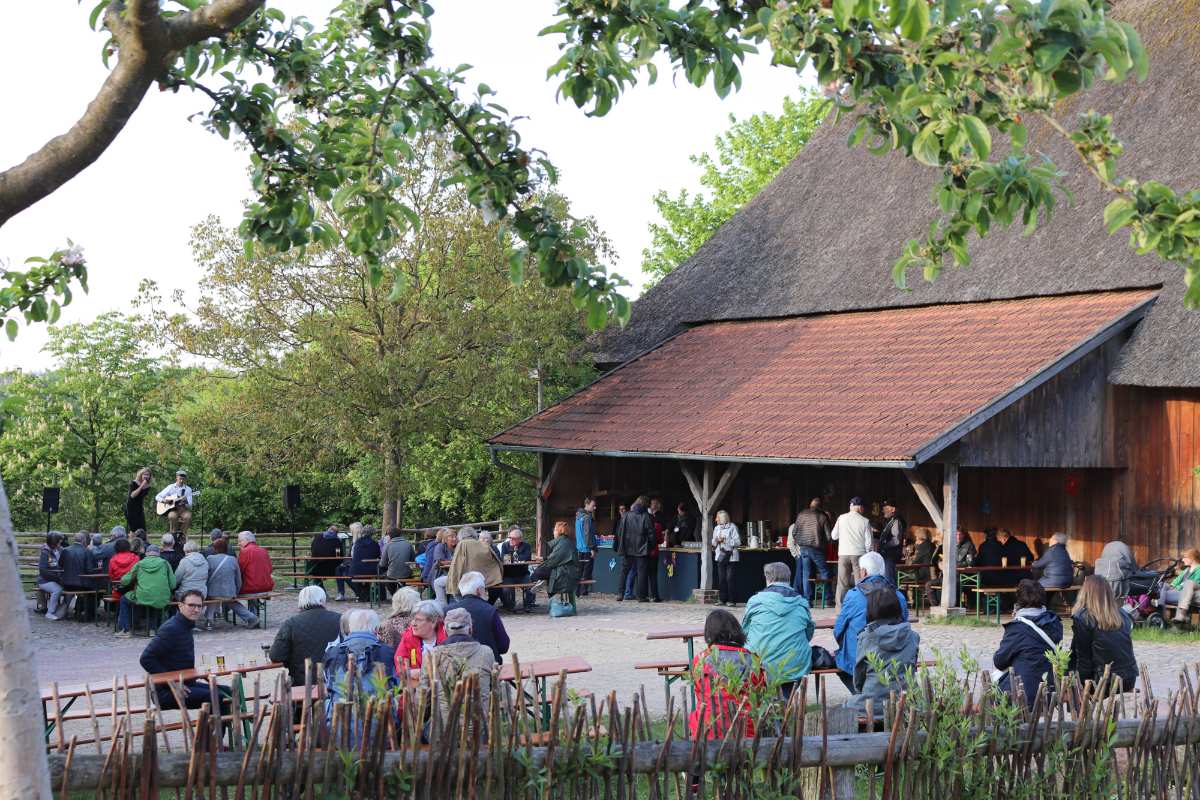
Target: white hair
<point x="362" y="620"/>
<point x="485" y="537"/>
<point x="356" y="529"/>
<point x="404" y="600"/>
<point x="246" y="536"/>
<point x="777" y="572"/>
<point x="722" y="517"/>
<point x="190" y="546"/>
<point x="470" y="583"/>
<point x="430" y="609"/>
<point x="1059" y="538"/>
<point x="467" y="532"/>
<point x="310" y="597"/>
<point x="168" y="540"/>
<point x="872" y="564"/>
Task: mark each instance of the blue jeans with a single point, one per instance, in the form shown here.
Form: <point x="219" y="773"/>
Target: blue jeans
<point x="809" y="558"/>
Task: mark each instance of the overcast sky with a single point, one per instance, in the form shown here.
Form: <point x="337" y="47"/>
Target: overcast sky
<point x="132" y="210"/>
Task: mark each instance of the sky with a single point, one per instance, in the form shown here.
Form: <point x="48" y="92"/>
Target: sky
<point x="133" y="210"/>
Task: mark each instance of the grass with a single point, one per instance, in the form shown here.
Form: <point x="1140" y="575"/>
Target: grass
<point x="1145" y="633"/>
<point x="964" y="621"/>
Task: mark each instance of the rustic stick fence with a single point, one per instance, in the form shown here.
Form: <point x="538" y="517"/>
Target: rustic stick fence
<point x="945" y="736"/>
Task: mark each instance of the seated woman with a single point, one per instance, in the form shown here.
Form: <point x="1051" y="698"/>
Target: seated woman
<point x="364" y="563"/>
<point x="1101" y="635"/>
<point x="1181" y="591"/>
<point x="1055" y="564"/>
<point x="891" y="641"/>
<point x="561" y="569"/>
<point x="424" y="633"/>
<point x="724" y="676"/>
<point x="1032" y="632"/>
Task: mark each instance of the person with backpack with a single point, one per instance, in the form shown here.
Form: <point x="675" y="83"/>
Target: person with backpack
<point x="723" y="677"/>
<point x="1032" y="632"/>
<point x="358" y="667"/>
<point x="457" y="657"/>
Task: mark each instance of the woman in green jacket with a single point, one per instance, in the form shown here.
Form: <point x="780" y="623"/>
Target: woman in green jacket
<point x="561" y="567"/>
<point x="1181" y="591"/>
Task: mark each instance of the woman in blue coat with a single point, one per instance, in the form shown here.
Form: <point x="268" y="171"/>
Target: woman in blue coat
<point x="1032" y="632"/>
<point x="1055" y="564"/>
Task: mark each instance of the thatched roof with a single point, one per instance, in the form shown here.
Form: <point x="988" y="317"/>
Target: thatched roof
<point x="824" y="234"/>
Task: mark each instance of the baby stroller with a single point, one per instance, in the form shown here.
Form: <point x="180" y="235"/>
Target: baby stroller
<point x="1145" y="586"/>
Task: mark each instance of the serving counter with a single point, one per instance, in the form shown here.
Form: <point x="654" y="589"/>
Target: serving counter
<point x="679" y="570"/>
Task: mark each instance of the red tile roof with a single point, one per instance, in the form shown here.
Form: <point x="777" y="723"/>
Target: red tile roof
<point x="856" y="386"/>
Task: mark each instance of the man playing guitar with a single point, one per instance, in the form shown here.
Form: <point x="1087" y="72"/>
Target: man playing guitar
<point x="175" y="503"/>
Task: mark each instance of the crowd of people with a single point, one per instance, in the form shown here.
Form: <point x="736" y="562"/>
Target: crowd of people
<point x="147" y="577"/>
<point x="878" y="649"/>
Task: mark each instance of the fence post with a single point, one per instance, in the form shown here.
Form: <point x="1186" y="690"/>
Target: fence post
<point x="842" y="720"/>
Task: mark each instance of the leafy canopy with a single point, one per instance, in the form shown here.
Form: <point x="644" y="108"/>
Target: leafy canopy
<point x="748" y="155"/>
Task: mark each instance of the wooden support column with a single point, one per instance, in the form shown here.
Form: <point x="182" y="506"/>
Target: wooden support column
<point x="708" y="491"/>
<point x="545" y="487"/>
<point x="950" y="536"/>
<point x="927" y="498"/>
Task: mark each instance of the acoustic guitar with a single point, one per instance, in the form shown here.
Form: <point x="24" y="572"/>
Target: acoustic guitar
<point x="164" y="507"/>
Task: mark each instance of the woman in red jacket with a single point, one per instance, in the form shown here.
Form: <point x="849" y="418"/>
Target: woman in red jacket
<point x="122" y="561"/>
<point x="724" y="677"/>
<point x="424" y="633"/>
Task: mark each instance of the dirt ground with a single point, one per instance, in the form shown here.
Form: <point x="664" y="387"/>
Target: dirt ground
<point x="610" y="635"/>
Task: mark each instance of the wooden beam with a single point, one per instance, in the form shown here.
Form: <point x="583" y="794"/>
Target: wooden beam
<point x="693" y="483"/>
<point x="723" y="485"/>
<point x="547" y="483"/>
<point x="949" y="536"/>
<point x="926" y="496"/>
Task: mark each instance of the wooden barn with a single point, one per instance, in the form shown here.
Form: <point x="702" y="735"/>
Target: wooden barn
<point x="1054" y="385"/>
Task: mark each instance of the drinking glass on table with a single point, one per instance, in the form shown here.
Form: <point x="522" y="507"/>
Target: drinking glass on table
<point x="266" y="650"/>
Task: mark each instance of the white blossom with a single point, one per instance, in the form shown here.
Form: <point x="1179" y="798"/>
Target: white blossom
<point x="72" y="256"/>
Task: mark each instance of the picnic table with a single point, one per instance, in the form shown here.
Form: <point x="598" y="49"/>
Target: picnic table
<point x="970" y="578"/>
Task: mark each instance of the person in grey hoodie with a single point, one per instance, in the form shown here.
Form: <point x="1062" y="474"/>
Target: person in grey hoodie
<point x="225" y="580"/>
<point x="192" y="572"/>
<point x="893" y="642"/>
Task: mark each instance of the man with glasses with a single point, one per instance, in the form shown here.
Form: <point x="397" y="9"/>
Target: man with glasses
<point x="173" y="649"/>
<point x="516" y="550"/>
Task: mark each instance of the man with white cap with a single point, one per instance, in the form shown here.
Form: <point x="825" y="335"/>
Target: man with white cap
<point x="179" y="494"/>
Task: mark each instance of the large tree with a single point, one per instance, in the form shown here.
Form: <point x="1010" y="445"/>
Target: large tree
<point x="380" y="369"/>
<point x="746" y="157"/>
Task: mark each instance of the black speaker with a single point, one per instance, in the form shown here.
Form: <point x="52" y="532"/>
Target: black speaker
<point x="50" y="500"/>
<point x="291" y="497"/>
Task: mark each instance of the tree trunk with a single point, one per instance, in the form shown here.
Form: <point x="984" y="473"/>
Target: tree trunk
<point x="22" y="747"/>
<point x="393" y="501"/>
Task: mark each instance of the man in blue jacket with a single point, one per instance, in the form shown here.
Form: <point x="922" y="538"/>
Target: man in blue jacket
<point x="779" y="628"/>
<point x="585" y="541"/>
<point x="852" y="617"/>
<point x="172" y="649"/>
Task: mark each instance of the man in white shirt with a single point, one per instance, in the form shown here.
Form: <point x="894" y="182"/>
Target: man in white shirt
<point x="852" y="532"/>
<point x="179" y="518"/>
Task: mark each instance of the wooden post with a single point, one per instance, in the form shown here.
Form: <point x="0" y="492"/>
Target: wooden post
<point x="708" y="493"/>
<point x="539" y="514"/>
<point x="950" y="536"/>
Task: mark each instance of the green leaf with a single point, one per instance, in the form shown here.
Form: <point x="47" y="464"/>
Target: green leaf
<point x="1137" y="51"/>
<point x="842" y="9"/>
<point x="10" y="328"/>
<point x="1018" y="134"/>
<point x="915" y="24"/>
<point x="926" y="148"/>
<point x="978" y="134"/>
<point x="1118" y="213"/>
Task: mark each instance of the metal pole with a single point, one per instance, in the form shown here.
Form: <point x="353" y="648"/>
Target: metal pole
<point x="292" y="521"/>
<point x="539" y="385"/>
<point x="48" y="514"/>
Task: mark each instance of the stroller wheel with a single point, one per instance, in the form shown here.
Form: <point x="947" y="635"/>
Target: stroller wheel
<point x="1156" y="620"/>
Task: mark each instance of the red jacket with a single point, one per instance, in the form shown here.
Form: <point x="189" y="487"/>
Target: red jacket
<point x="724" y="676"/>
<point x="118" y="565"/>
<point x="255" y="565"/>
<point x="408" y="652"/>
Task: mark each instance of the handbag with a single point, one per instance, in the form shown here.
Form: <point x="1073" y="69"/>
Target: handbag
<point x="562" y="606"/>
<point x="997" y="674"/>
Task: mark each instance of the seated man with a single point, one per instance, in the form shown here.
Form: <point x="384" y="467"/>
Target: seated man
<point x="305" y="636"/>
<point x="852" y="616"/>
<point x="454" y="659"/>
<point x="394" y="563"/>
<point x="173" y="648"/>
<point x="255" y="565"/>
<point x="488" y="627"/>
<point x="779" y="628"/>
<point x="472" y="555"/>
<point x="179" y="495"/>
<point x="170" y="553"/>
<point x="1057" y="568"/>
<point x="75" y="562"/>
<point x="153" y="582"/>
<point x="516" y="549"/>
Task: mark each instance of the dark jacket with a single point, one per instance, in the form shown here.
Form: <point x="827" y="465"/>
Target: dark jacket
<point x="635" y="533"/>
<point x="324" y="546"/>
<point x="74" y="562"/>
<point x="1056" y="566"/>
<point x="561" y="567"/>
<point x="965" y="552"/>
<point x="486" y="627"/>
<point x="989" y="553"/>
<point x="172" y="557"/>
<point x="395" y="559"/>
<point x="172" y="648"/>
<point x="684" y="528"/>
<point x="1024" y="652"/>
<point x="585" y="531"/>
<point x="305" y="635"/>
<point x="926" y="552"/>
<point x="1093" y="649"/>
<point x="523" y="551"/>
<point x="365" y="549"/>
<point x="438" y="551"/>
<point x="48" y="568"/>
<point x="812" y="528"/>
<point x="891" y="535"/>
<point x="1015" y="550"/>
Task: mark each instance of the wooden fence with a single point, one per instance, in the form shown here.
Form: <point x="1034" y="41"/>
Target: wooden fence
<point x="945" y="737"/>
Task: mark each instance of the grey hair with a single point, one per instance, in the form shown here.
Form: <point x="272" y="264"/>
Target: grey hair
<point x="153" y="550"/>
<point x="404" y="600"/>
<point x="81" y="538"/>
<point x="97" y="540"/>
<point x="168" y="540"/>
<point x="485" y="537"/>
<point x="344" y="622"/>
<point x="467" y="532"/>
<point x="117" y="530"/>
<point x="190" y="546"/>
<point x="362" y="620"/>
<point x="872" y="563"/>
<point x="430" y="609"/>
<point x="459" y="619"/>
<point x="777" y="572"/>
<point x="246" y="536"/>
<point x="311" y="597"/>
<point x="356" y="529"/>
<point x="470" y="583"/>
<point x="1059" y="538"/>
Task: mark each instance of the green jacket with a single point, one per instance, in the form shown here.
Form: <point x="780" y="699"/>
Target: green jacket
<point x="153" y="580"/>
<point x="562" y="566"/>
<point x="1192" y="574"/>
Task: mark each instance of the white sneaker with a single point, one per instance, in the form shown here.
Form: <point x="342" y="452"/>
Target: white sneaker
<point x="52" y="617"/>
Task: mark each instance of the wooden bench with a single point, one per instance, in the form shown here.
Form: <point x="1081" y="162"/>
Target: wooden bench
<point x="991" y="599"/>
